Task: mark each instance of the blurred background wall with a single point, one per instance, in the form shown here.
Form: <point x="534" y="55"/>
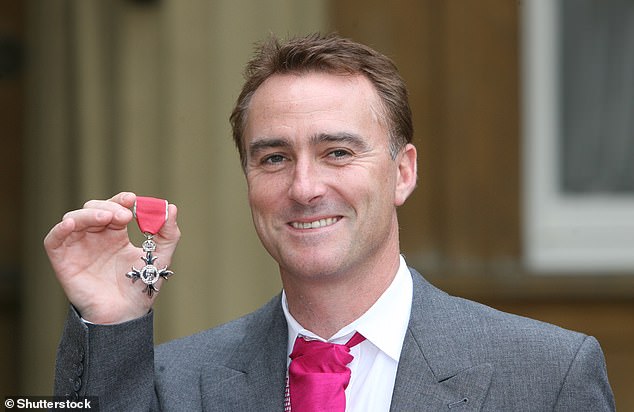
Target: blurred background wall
<point x="102" y="96"/>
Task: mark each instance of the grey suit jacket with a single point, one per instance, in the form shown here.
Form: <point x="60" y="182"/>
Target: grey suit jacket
<point x="457" y="355"/>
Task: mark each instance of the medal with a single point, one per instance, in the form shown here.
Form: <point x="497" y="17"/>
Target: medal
<point x="151" y="214"/>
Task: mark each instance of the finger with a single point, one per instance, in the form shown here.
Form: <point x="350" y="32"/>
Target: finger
<point x="58" y="234"/>
<point x="125" y="199"/>
<point x="94" y="220"/>
<point x="121" y="215"/>
<point x="170" y="231"/>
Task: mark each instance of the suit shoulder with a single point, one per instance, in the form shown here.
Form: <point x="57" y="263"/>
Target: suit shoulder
<point x="493" y="325"/>
<point x="482" y="327"/>
<point x="527" y="356"/>
<point x="217" y="342"/>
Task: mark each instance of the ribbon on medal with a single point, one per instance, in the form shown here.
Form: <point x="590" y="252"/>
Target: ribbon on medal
<point x="151" y="214"/>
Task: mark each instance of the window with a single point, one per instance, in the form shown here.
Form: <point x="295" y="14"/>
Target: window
<point x="578" y="134"/>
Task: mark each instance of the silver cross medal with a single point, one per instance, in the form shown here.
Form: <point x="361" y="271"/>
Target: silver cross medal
<point x="148" y="211"/>
<point x="149" y="274"/>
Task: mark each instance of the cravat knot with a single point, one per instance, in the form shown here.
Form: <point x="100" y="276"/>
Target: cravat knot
<point x="318" y="374"/>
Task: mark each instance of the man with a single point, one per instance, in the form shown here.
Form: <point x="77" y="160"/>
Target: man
<point x="324" y="131"/>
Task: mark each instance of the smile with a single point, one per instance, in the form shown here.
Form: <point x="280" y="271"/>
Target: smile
<point x="316" y="224"/>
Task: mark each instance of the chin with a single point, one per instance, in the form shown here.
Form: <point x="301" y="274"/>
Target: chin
<point x="314" y="267"/>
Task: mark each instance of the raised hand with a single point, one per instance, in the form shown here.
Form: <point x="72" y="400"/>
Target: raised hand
<point x="91" y="252"/>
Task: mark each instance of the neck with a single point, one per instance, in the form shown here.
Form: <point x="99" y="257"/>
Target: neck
<point x="327" y="304"/>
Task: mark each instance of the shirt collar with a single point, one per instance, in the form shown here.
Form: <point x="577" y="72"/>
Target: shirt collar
<point x="384" y="324"/>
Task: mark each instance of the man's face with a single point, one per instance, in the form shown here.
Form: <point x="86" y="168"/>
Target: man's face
<point x="323" y="188"/>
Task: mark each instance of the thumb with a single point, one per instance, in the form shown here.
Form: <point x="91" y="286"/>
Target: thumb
<point x="170" y="232"/>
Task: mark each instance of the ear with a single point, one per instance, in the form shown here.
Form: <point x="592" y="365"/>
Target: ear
<point x="407" y="174"/>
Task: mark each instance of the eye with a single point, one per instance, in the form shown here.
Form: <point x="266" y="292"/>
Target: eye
<point x="273" y="159"/>
<point x="339" y="153"/>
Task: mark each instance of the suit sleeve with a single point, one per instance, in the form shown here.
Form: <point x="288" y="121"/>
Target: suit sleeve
<point x="586" y="384"/>
<point x="115" y="363"/>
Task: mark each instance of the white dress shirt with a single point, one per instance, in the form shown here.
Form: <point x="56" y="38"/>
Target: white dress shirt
<point x="376" y="358"/>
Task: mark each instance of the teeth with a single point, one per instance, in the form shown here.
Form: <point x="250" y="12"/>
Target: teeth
<point x="316" y="224"/>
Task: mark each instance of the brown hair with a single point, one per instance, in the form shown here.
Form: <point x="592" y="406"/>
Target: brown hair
<point x="332" y="54"/>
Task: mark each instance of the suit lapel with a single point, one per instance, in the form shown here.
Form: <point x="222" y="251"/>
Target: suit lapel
<point x="435" y="372"/>
<point x="254" y="378"/>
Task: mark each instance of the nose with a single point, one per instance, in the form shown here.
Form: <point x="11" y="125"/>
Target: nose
<point x="307" y="184"/>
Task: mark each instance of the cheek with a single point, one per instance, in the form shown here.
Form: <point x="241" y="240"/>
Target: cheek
<point x="264" y="192"/>
<point x="259" y="212"/>
<point x="258" y="202"/>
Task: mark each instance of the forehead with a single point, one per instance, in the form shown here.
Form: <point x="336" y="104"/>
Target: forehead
<point x="293" y="84"/>
<point x="313" y="98"/>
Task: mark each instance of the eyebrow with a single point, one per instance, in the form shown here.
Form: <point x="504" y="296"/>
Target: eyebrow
<point x="266" y="143"/>
<point x="342" y="137"/>
<point x="262" y="144"/>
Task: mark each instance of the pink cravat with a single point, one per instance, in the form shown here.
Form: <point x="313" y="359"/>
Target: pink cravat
<point x="318" y="374"/>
